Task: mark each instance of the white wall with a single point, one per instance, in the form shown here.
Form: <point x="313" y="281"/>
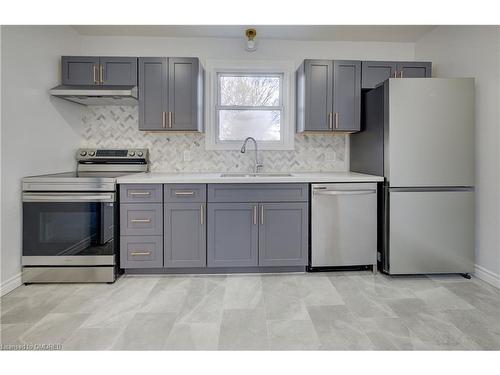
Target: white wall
<point x="40" y="134"/>
<point x="474" y="51"/>
<point x="213" y="48"/>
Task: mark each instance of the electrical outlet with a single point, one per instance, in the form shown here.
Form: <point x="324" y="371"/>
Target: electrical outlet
<point x="330" y="155"/>
<point x="187" y="155"/>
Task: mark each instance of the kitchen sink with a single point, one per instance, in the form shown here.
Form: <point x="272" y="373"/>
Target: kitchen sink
<point x="247" y="175"/>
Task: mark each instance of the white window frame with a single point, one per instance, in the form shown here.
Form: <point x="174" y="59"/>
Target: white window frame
<point x="286" y="69"/>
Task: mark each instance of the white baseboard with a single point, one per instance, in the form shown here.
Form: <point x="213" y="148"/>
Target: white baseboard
<point x="487" y="276"/>
<point x="9" y="285"/>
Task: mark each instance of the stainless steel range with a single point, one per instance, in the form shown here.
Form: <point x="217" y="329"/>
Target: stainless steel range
<point x="70" y="231"/>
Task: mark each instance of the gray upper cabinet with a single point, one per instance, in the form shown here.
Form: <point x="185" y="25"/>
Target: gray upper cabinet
<point x="80" y="70"/>
<point x="414" y="69"/>
<point x="170" y="94"/>
<point x="185" y="94"/>
<point x="314" y="95"/>
<point x="232" y="234"/>
<point x="376" y="72"/>
<point x="95" y="70"/>
<point x="283" y="234"/>
<point x="185" y="235"/>
<point x="118" y="71"/>
<point x="328" y="95"/>
<point x="346" y="95"/>
<point x="153" y="93"/>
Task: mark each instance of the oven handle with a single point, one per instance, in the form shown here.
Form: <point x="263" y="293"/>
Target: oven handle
<point x="344" y="192"/>
<point x="58" y="197"/>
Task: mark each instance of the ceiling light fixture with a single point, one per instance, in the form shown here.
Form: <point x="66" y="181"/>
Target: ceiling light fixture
<point x="251" y="44"/>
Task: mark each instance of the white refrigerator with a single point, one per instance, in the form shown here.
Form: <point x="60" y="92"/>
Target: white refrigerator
<point x="419" y="134"/>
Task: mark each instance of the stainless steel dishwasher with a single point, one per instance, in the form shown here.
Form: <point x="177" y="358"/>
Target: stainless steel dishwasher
<point x="344" y="225"/>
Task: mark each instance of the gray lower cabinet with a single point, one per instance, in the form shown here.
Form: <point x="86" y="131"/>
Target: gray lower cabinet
<point x="141" y="251"/>
<point x="232" y="234"/>
<point x="283" y="234"/>
<point x="170" y="94"/>
<point x="328" y="96"/>
<point x="376" y="72"/>
<point x="185" y="235"/>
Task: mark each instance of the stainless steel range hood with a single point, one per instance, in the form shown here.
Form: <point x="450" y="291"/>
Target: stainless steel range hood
<point x="97" y="95"/>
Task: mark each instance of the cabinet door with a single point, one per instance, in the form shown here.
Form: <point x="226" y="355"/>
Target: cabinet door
<point x="318" y="95"/>
<point x="185" y="235"/>
<point x="283" y="234"/>
<point x="153" y="95"/>
<point x="232" y="234"/>
<point x="347" y="95"/>
<point x="183" y="93"/>
<point x="375" y="72"/>
<point x="119" y="71"/>
<point x="414" y="69"/>
<point x="80" y="70"/>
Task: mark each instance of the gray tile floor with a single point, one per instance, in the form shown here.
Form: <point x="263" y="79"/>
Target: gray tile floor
<point x="330" y="311"/>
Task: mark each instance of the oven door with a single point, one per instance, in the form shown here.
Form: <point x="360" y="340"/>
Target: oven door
<point x="69" y="228"/>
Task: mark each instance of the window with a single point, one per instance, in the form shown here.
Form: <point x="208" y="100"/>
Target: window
<point x="249" y="100"/>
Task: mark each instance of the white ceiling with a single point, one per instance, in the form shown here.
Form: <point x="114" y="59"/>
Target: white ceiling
<point x="380" y="33"/>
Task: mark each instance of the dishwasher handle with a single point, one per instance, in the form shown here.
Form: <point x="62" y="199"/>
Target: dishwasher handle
<point x="343" y="192"/>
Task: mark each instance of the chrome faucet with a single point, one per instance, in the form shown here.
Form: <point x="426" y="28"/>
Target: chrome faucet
<point x="258" y="164"/>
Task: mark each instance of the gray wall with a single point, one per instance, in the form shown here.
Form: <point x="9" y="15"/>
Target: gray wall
<point x="40" y="134"/>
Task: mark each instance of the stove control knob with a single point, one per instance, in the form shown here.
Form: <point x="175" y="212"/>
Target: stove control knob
<point x="131" y="153"/>
<point x="140" y="154"/>
<point x="83" y="153"/>
<point x="91" y="153"/>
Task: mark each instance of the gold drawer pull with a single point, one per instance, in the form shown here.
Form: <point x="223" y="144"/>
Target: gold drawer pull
<point x="141" y="193"/>
<point x="139" y="253"/>
<point x="140" y="220"/>
<point x="184" y="193"/>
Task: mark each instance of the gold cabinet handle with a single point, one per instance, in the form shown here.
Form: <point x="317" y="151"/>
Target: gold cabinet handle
<point x="262" y="215"/>
<point x="169" y="119"/>
<point x="179" y="192"/>
<point x="94" y="69"/>
<point x="140" y="220"/>
<point x="140" y="193"/>
<point x="101" y="74"/>
<point x="330" y="120"/>
<point x="202" y="215"/>
<point x="254" y="215"/>
<point x="139" y="253"/>
<point x="336" y="120"/>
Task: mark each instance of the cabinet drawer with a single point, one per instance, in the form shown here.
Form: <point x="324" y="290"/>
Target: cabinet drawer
<point x="142" y="193"/>
<point x="258" y="192"/>
<point x="141" y="251"/>
<point x="141" y="219"/>
<point x="185" y="193"/>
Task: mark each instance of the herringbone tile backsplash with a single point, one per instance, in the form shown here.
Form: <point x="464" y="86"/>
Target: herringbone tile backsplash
<point x="115" y="127"/>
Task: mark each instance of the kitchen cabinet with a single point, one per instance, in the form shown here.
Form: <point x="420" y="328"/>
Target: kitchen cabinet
<point x="232" y="234"/>
<point x="270" y="231"/>
<point x="329" y="96"/>
<point x="376" y="72"/>
<point x="170" y="94"/>
<point x="283" y="230"/>
<point x="95" y="71"/>
<point x="185" y="235"/>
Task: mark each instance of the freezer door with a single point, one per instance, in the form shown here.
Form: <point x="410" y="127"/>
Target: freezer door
<point x="431" y="132"/>
<point x="344" y="225"/>
<point x="431" y="232"/>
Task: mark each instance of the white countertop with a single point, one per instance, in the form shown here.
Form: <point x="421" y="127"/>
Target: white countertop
<point x="215" y="178"/>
